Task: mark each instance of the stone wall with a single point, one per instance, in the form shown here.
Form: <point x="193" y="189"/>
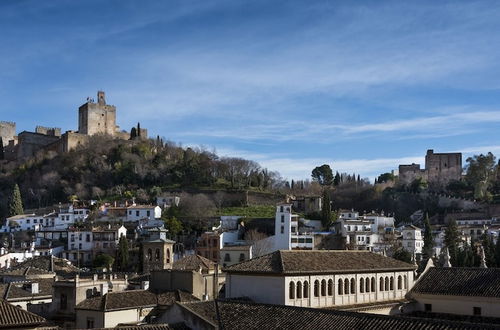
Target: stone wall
<point x="7" y="131"/>
<point x="442" y="168"/>
<point x="70" y="140"/>
<point x="30" y="143"/>
<point x="54" y="131"/>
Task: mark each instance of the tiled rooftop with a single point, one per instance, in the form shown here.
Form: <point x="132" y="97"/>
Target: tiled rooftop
<point x="318" y="262"/>
<point x="455" y="281"/>
<point x="193" y="262"/>
<point x="15" y="317"/>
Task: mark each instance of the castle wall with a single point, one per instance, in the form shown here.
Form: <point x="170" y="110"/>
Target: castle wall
<point x="30" y="143"/>
<point x="54" y="131"/>
<point x="408" y="173"/>
<point x="7" y="131"/>
<point x="70" y="140"/>
<point x="97" y="119"/>
<point x="442" y="168"/>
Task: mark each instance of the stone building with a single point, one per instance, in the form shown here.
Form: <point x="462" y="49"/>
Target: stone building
<point x="440" y="169"/>
<point x="7" y="131"/>
<point x="157" y="250"/>
<point x="323" y="278"/>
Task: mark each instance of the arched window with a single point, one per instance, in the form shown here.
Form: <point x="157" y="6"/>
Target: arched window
<point x="157" y="254"/>
<point x="299" y="289"/>
<point x="341" y="287"/>
<point x="391" y="285"/>
<point x="323" y="288"/>
<point x="227" y="257"/>
<point x="386" y="283"/>
<point x="346" y="286"/>
<point x="330" y="287"/>
<point x="353" y="286"/>
<point x="316" y="288"/>
<point x="400" y="282"/>
<point x="291" y="293"/>
<point x="405" y="282"/>
<point x="306" y="289"/>
<point x="361" y="285"/>
<point x="374" y="286"/>
<point x="150" y="254"/>
<point x="381" y="284"/>
<point x="168" y="256"/>
<point x="367" y="285"/>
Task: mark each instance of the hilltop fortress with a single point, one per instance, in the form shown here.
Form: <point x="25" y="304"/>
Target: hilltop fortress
<point x="93" y="118"/>
<point x="440" y="169"/>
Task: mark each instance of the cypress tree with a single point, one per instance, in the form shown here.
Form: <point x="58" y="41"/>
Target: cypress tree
<point x="122" y="253"/>
<point x="451" y="240"/>
<point x="2" y="155"/>
<point x="16" y="203"/>
<point x="139" y="129"/>
<point x="428" y="239"/>
<point x="133" y="133"/>
<point x="326" y="210"/>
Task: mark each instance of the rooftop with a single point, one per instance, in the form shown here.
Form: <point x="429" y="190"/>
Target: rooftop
<point x="238" y="315"/>
<point x="193" y="262"/>
<point x="318" y="262"/>
<point x="455" y="281"/>
<point x="15" y="317"/>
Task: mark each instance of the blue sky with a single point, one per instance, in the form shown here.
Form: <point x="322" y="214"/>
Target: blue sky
<point x="360" y="85"/>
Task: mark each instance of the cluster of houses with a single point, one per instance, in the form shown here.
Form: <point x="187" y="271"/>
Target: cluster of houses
<point x="233" y="280"/>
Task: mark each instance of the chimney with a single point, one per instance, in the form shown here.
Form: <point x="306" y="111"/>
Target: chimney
<point x="34" y="288"/>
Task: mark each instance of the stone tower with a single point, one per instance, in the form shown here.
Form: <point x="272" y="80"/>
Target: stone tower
<point x="442" y="168"/>
<point x="157" y="251"/>
<point x="97" y="118"/>
<point x="7" y="131"/>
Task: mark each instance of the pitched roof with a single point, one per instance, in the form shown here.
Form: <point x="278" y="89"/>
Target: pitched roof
<point x="25" y="270"/>
<point x="204" y="309"/>
<point x="318" y="262"/>
<point x="12" y="316"/>
<point x="193" y="262"/>
<point x="22" y="290"/>
<point x="238" y="315"/>
<point x="133" y="299"/>
<point x="455" y="281"/>
<point x="43" y="263"/>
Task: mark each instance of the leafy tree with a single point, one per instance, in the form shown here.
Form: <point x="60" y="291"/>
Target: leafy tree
<point x="418" y="185"/>
<point x="402" y="255"/>
<point x="385" y="177"/>
<point x="323" y="175"/>
<point x="173" y="225"/>
<point x="451" y="240"/>
<point x="133" y="133"/>
<point x="104" y="261"/>
<point x="16" y="203"/>
<point x="428" y="239"/>
<point x="122" y="254"/>
<point x="480" y="173"/>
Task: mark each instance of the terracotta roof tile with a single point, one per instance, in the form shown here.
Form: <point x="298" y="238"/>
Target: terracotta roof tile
<point x="237" y="315"/>
<point x="455" y="281"/>
<point x="318" y="262"/>
<point x="12" y="316"/>
<point x="193" y="262"/>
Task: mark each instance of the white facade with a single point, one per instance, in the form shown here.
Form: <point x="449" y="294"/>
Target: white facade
<point x="413" y="241"/>
<point x="167" y="201"/>
<point x="286" y="230"/>
<point x="141" y="212"/>
<point x="321" y="290"/>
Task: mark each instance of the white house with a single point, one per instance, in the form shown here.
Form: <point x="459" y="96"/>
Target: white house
<point x="286" y="230"/>
<point x="412" y="239"/>
<point x="167" y="201"/>
<point x="320" y="278"/>
<point x="142" y="212"/>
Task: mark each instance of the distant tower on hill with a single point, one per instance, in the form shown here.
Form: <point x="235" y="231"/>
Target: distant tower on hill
<point x="97" y="118"/>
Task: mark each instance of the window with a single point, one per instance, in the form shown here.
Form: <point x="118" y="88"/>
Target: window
<point x="400" y="282"/>
<point x="87" y="238"/>
<point x="361" y="285"/>
<point x="90" y="323"/>
<point x="428" y="307"/>
<point x="63" y="302"/>
<point x="323" y="288"/>
<point x="391" y="283"/>
<point x="330" y="287"/>
<point x="299" y="289"/>
<point x="291" y="293"/>
<point x="405" y="282"/>
<point x="148" y="213"/>
<point x="353" y="286"/>
<point x="227" y="257"/>
<point x="28" y="221"/>
<point x="367" y="285"/>
<point x="157" y="254"/>
<point x="346" y="286"/>
<point x="476" y="311"/>
<point x="282" y="218"/>
<point x="35" y="221"/>
<point x="340" y="288"/>
<point x="381" y="284"/>
<point x="136" y="213"/>
<point x="282" y="229"/>
<point x="316" y="288"/>
<point x="386" y="283"/>
<point x="129" y="212"/>
<point x="306" y="289"/>
<point x="150" y="254"/>
<point x="80" y="246"/>
<point x="281" y="208"/>
<point x="242" y="257"/>
<point x="168" y="256"/>
<point x="373" y="286"/>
